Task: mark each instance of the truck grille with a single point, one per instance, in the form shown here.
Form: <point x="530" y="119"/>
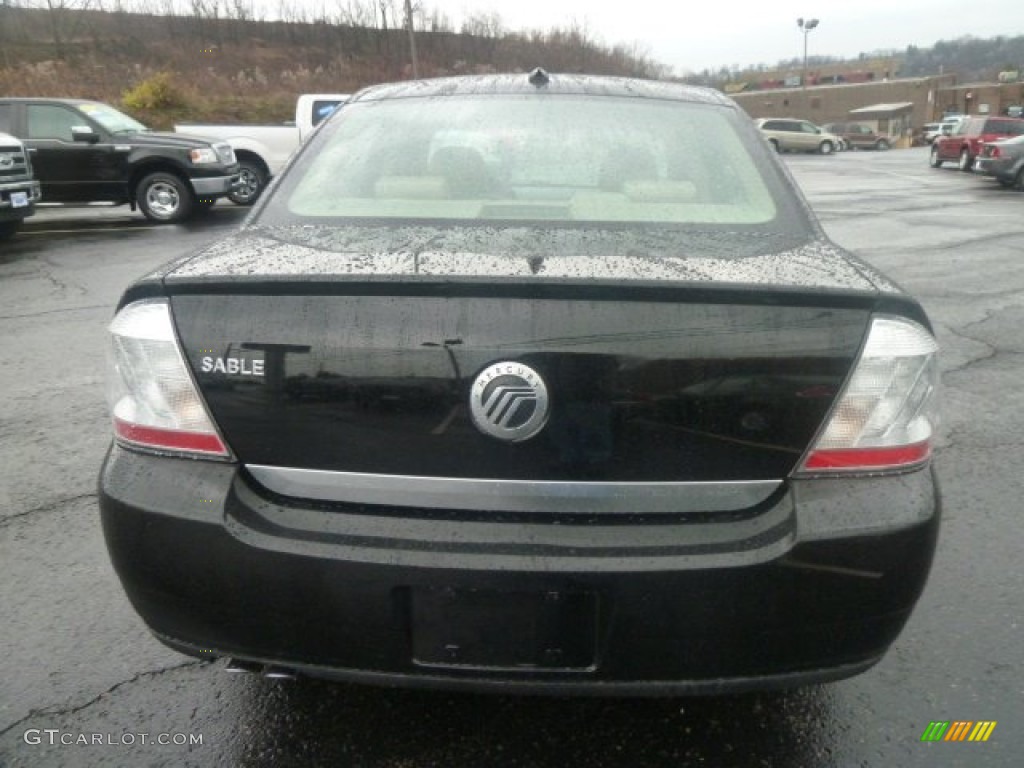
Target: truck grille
<point x="12" y="163"/>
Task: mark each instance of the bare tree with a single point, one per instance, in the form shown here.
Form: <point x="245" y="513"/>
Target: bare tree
<point x="64" y="18"/>
<point x="5" y="24"/>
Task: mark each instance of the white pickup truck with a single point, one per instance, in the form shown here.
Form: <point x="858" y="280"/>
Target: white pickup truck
<point x="262" y="150"/>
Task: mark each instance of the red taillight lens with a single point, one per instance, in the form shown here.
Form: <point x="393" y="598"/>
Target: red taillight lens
<point x="991" y="152"/>
<point x="887" y="415"/>
<point x="153" y="399"/>
<point x="868" y="458"/>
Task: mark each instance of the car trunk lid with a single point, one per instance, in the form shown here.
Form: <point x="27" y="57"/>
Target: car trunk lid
<point x="642" y="385"/>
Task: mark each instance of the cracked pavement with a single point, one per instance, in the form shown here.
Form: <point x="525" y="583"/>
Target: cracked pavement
<point x="68" y="636"/>
<point x="75" y="658"/>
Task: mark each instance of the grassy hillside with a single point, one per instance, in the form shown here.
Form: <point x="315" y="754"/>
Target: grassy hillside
<point x="219" y="64"/>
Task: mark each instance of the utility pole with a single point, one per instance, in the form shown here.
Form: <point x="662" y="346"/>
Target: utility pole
<point x="412" y="40"/>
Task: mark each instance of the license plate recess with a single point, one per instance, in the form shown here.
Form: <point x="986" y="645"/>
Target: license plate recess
<point x="510" y="630"/>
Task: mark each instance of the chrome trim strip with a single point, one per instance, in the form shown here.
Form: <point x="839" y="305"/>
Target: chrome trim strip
<point x="513" y="495"/>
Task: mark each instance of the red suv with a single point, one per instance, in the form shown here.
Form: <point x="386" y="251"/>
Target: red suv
<point x="964" y="144"/>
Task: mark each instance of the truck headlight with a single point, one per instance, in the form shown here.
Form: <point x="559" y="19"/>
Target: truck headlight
<point x="203" y="156"/>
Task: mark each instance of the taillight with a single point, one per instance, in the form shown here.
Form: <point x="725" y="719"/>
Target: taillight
<point x="992" y="152"/>
<point x="886" y="416"/>
<point x="153" y="399"/>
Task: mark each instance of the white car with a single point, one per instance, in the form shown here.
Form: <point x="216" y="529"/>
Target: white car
<point x="932" y="131"/>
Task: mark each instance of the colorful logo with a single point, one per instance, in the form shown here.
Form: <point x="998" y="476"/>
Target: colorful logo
<point x="958" y="730"/>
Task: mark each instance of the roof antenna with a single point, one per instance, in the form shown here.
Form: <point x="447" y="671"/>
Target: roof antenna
<point x="539" y="77"/>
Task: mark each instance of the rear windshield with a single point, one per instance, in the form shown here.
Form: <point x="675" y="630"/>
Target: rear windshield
<point x="531" y="158"/>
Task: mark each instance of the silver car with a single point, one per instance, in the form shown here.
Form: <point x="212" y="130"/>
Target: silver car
<point x="1003" y="160"/>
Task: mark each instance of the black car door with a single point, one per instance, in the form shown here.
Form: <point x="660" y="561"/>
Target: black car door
<point x="70" y="170"/>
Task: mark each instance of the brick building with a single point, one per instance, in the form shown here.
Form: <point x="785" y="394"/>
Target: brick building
<point x="930" y="98"/>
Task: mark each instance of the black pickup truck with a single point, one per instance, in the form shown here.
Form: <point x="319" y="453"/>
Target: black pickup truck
<point x="84" y="151"/>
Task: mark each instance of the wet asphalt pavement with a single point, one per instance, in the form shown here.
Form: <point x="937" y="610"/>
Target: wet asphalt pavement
<point x="77" y="665"/>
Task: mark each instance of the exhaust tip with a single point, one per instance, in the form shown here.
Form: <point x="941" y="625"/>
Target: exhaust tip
<point x="279" y="673"/>
<point x="237" y="665"/>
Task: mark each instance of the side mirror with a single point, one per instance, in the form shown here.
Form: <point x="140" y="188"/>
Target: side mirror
<point x="84" y="133"/>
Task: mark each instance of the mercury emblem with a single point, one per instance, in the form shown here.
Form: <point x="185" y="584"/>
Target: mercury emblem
<point x="509" y="401"/>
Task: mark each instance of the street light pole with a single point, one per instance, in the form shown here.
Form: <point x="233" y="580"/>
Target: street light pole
<point x="805" y="26"/>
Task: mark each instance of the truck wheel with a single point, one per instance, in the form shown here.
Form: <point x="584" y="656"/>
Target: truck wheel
<point x="254" y="180"/>
<point x="8" y="228"/>
<point x="826" y="148"/>
<point x="881" y="145"/>
<point x="933" y="158"/>
<point x="164" y="198"/>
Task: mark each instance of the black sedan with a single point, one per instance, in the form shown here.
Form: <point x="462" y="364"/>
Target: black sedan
<point x="1004" y="161"/>
<point x="531" y="383"/>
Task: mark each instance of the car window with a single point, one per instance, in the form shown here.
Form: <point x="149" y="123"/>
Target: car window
<point x="324" y="108"/>
<point x="1005" y="127"/>
<point x="516" y="157"/>
<point x="50" y="121"/>
<point x="969" y="127"/>
<point x="808" y="128"/>
<point x="5" y="118"/>
<point x="111" y="119"/>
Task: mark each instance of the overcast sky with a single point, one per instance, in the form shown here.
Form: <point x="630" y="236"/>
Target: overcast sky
<point x="690" y="35"/>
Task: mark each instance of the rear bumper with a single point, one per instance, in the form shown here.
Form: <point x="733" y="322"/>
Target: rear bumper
<point x="999" y="168"/>
<point x="802" y="591"/>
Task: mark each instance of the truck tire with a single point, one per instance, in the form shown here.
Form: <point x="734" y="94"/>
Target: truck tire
<point x="164" y="198"/>
<point x="8" y="228"/>
<point x="965" y="163"/>
<point x="254" y="181"/>
<point x="933" y="157"/>
<point x="826" y="147"/>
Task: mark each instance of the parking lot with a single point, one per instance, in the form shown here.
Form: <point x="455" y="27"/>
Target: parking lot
<point x="77" y="662"/>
